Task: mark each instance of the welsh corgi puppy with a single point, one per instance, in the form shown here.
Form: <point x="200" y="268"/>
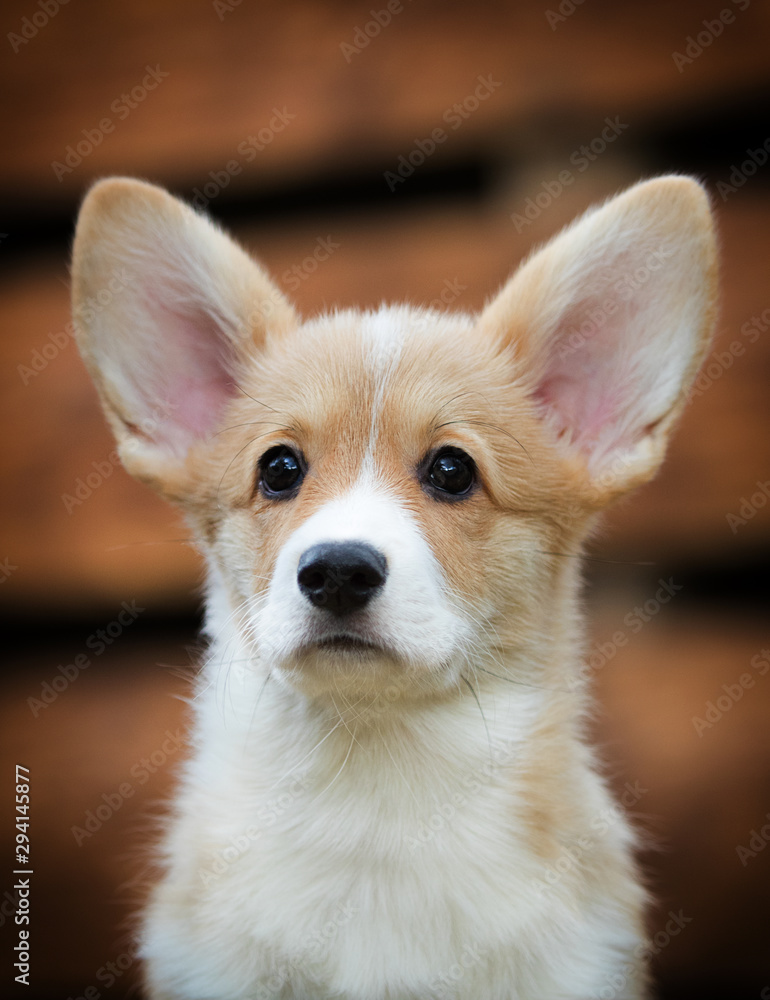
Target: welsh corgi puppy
<point x="390" y="794"/>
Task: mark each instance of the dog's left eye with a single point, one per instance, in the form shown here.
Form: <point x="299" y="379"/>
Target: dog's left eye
<point x="280" y="471"/>
<point x="452" y="471"/>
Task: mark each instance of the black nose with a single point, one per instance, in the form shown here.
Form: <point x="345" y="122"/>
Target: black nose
<point x="341" y="576"/>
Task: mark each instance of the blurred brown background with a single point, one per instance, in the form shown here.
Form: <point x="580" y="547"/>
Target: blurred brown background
<point x="288" y="120"/>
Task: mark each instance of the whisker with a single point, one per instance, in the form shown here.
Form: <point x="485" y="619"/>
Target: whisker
<point x="240" y="388"/>
<point x="219" y="668"/>
<point x="514" y="680"/>
<point x="313" y="750"/>
<point x="483" y="717"/>
<point x="252" y="423"/>
<point x="154" y="541"/>
<point x="488" y="651"/>
<point x="398" y="769"/>
<point x="342" y="767"/>
<point x="486" y="423"/>
<point x="235" y="456"/>
<point x="590" y="558"/>
<point x="342" y="718"/>
<point x="256" y="703"/>
<point x="448" y="402"/>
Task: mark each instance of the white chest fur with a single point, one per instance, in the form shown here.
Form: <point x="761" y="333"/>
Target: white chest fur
<point x="318" y="855"/>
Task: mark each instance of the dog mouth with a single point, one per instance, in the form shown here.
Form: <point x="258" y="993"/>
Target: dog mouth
<point x="345" y="643"/>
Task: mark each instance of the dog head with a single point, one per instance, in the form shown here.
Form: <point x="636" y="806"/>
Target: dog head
<point x="393" y="494"/>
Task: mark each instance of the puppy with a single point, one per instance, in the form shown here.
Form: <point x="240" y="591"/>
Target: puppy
<point x="390" y="796"/>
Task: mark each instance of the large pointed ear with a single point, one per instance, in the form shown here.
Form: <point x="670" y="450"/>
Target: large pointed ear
<point x="609" y="323"/>
<point x="167" y="309"/>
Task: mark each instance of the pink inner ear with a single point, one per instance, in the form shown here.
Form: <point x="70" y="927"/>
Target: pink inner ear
<point x="584" y="408"/>
<point x="187" y="381"/>
<point x="199" y="403"/>
<point x="591" y="384"/>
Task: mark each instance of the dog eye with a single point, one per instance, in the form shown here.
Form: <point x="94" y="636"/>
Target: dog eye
<point x="280" y="471"/>
<point x="452" y="471"/>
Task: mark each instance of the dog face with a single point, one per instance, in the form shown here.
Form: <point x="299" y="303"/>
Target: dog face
<point x="392" y="498"/>
<point x="390" y="518"/>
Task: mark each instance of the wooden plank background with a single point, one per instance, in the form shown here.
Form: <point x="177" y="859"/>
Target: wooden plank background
<point x="205" y="77"/>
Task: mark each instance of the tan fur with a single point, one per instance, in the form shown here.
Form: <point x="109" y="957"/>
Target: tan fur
<point x="557" y="427"/>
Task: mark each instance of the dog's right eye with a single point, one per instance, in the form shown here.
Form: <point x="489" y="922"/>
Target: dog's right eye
<point x="451" y="474"/>
<point x="280" y="471"/>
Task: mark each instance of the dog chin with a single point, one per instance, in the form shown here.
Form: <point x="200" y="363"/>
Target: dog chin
<point x="373" y="674"/>
<point x="342" y="663"/>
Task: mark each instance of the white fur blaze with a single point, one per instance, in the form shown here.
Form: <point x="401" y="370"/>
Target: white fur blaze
<point x="412" y="618"/>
